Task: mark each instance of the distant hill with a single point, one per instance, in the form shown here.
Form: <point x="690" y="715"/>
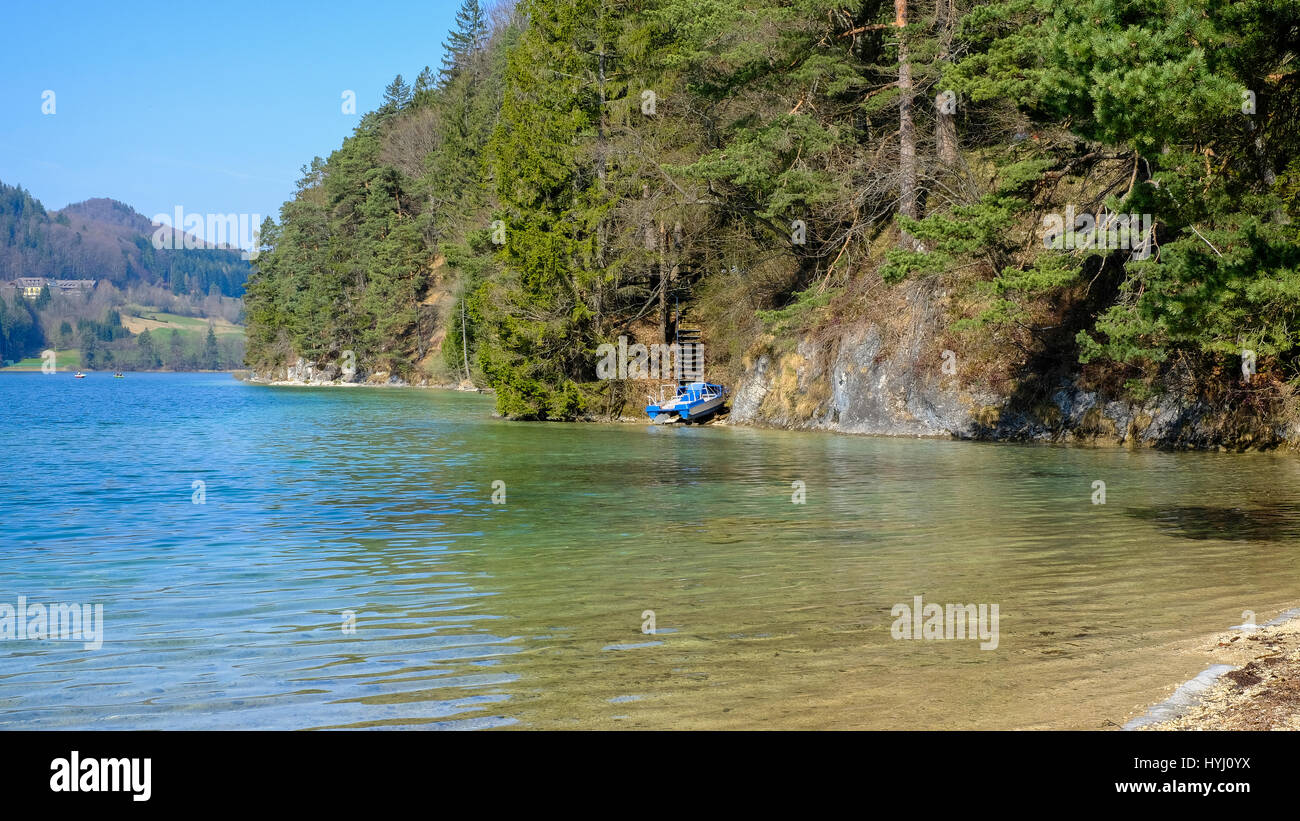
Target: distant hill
<point x="106" y="240"/>
<point x="110" y="212"/>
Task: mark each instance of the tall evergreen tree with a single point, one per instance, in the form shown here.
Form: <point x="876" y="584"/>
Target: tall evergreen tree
<point x="463" y="41"/>
<point x="426" y="83"/>
<point x="211" y="354"/>
<point x="396" y="96"/>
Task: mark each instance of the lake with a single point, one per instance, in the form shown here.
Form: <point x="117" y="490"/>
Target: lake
<point x="285" y="558"/>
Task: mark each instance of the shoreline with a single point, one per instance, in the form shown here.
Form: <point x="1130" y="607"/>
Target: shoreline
<point x="37" y="369"/>
<point x="724" y="420"/>
<point x="249" y="377"/>
<point x="1253" y="683"/>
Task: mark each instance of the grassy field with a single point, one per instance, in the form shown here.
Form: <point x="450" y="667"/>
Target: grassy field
<point x="64" y="360"/>
<point x="162" y="336"/>
<point x="154" y="321"/>
<point x="161" y="327"/>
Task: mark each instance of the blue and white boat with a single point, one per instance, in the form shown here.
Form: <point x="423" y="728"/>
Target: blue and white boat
<point x="689" y="402"/>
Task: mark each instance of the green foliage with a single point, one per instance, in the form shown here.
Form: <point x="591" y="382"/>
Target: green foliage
<point x="1013" y="287"/>
<point x="396" y="97"/>
<point x="1173" y="84"/>
<point x="588" y="169"/>
<point x="20" y="333"/>
<point x="149" y="358"/>
<point x="782" y="320"/>
<point x="540" y="316"/>
<point x="348" y="265"/>
<point x="465" y="41"/>
<point x="979" y="231"/>
<point x="1141" y="73"/>
<point x="211" y="356"/>
<point x="1241" y="294"/>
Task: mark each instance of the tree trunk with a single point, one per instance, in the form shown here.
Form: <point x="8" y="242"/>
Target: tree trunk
<point x="945" y="134"/>
<point x="664" y="318"/>
<point x="601" y="228"/>
<point x="464" y="343"/>
<point x="945" y="123"/>
<point x="906" y="129"/>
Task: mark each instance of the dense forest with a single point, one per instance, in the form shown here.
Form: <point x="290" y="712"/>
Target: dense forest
<point x="1108" y="188"/>
<point x="20" y="328"/>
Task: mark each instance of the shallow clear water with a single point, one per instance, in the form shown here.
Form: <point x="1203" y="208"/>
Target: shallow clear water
<point x="228" y="614"/>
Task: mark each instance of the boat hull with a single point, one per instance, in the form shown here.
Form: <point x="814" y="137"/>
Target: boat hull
<point x="703" y="408"/>
<point x="694" y="403"/>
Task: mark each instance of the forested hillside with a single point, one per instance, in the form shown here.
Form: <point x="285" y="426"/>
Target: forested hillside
<point x="104" y="239"/>
<point x="149" y="309"/>
<point x="779" y="170"/>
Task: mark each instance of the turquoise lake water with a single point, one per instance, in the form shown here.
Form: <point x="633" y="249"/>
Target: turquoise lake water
<point x="319" y="502"/>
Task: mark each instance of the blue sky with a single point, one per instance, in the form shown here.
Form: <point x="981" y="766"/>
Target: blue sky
<point x="213" y="107"/>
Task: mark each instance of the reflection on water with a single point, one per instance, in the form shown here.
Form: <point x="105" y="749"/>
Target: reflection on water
<point x="1261" y="523"/>
<point x="766" y="613"/>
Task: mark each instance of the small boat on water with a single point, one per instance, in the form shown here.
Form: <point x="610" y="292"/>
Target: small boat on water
<point x="78" y="375"/>
<point x="690" y="401"/>
<point x="119" y="375"/>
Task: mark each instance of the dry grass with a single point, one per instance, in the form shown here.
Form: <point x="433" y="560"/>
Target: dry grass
<point x="136" y="325"/>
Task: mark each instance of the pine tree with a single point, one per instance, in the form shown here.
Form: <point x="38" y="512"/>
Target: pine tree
<point x="396" y="97"/>
<point x="148" y="355"/>
<point x="426" y="84"/>
<point x="462" y="42"/>
<point x="542" y="313"/>
<point x="907" y="193"/>
<point x="176" y="351"/>
<point x="211" y="353"/>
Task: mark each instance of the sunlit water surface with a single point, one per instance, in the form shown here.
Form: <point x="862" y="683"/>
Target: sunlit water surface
<point x="532" y="613"/>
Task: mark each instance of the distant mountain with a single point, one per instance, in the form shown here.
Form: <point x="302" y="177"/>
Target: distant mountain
<point x="109" y="212"/>
<point x="106" y="240"/>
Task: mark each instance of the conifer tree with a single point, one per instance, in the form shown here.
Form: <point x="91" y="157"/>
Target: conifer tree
<point x="463" y="41"/>
<point x="396" y="96"/>
<point x="211" y="354"/>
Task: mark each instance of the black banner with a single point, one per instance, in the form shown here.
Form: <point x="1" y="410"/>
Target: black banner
<point x="141" y="772"/>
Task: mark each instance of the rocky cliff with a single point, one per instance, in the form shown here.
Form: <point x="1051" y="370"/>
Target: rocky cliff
<point x="891" y="377"/>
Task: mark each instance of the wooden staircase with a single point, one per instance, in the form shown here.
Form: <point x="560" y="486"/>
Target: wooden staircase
<point x="690" y="353"/>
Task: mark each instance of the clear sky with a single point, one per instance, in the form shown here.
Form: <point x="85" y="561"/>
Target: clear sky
<point x="213" y="106"/>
